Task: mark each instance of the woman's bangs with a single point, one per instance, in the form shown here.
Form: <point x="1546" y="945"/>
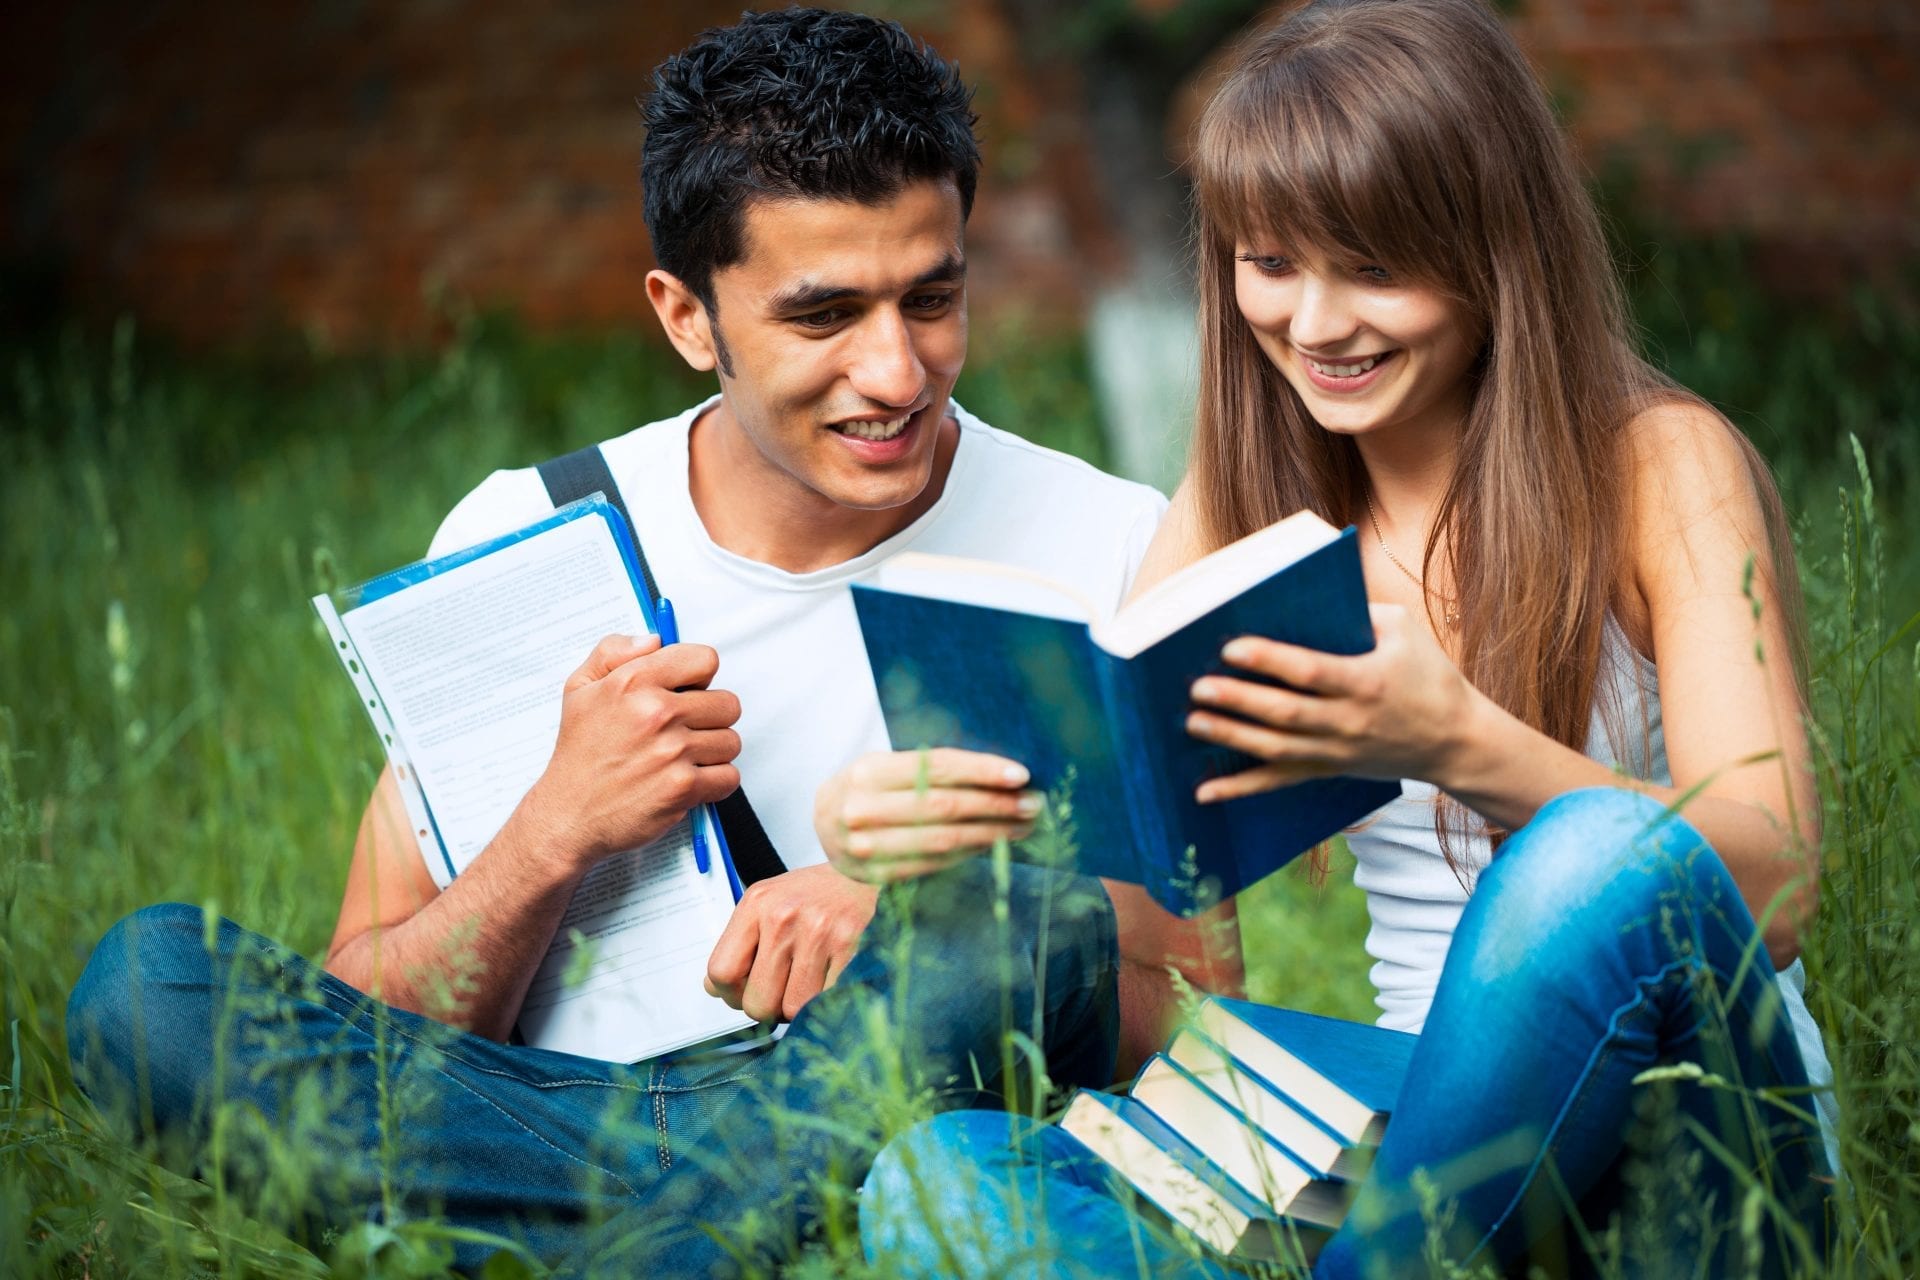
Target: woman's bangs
<point x="1251" y="199"/>
<point x="1277" y="160"/>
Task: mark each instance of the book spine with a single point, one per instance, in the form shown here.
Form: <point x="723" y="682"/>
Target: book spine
<point x="1142" y="765"/>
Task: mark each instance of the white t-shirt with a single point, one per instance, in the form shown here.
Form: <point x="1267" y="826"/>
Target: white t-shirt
<point x="789" y="643"/>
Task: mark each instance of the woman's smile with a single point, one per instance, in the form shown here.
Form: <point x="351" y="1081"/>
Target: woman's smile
<point x="1348" y="375"/>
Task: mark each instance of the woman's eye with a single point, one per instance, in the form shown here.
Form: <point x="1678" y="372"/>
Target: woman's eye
<point x="1270" y="264"/>
<point x="1376" y="275"/>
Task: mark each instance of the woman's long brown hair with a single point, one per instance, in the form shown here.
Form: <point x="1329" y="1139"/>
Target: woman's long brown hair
<point x="1412" y="134"/>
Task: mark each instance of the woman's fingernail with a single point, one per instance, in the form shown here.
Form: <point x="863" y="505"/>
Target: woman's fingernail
<point x="1237" y="650"/>
<point x="1029" y="804"/>
<point x="1015" y="774"/>
<point x="1204" y="689"/>
<point x="860" y="842"/>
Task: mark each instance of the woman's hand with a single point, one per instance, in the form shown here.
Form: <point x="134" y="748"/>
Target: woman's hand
<point x="896" y="814"/>
<point x="1400" y="711"/>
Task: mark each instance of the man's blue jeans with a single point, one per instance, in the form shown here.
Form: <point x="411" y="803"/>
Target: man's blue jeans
<point x="1605" y="939"/>
<point x="322" y="1107"/>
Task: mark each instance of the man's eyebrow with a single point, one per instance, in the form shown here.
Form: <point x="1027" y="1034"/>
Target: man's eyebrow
<point x="949" y="269"/>
<point x="809" y="296"/>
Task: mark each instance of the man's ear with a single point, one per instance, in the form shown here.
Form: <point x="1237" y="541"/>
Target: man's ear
<point x="685" y="319"/>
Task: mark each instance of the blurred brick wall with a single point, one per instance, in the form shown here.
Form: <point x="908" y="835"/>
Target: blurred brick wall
<point x="221" y="168"/>
<point x="1796" y="120"/>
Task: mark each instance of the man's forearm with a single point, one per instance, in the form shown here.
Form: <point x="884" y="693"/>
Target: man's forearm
<point x="1154" y="945"/>
<point x="467" y="956"/>
<point x="1151" y="1008"/>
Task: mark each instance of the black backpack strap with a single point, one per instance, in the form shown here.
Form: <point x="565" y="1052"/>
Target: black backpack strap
<point x="584" y="472"/>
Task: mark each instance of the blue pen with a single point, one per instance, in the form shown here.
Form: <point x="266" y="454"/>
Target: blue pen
<point x="726" y="855"/>
<point x="669" y="632"/>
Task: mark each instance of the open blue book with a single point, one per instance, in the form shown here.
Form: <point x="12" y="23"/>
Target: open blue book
<point x="459" y="662"/>
<point x="981" y="656"/>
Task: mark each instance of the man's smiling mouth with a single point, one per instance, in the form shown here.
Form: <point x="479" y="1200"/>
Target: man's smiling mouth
<point x="874" y="430"/>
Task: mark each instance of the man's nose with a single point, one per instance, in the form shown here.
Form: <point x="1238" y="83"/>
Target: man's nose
<point x="1322" y="318"/>
<point x="886" y="366"/>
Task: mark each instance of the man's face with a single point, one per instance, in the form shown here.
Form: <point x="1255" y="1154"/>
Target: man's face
<point x="842" y="330"/>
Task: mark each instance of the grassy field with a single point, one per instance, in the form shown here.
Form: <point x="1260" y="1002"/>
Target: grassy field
<point x="172" y="726"/>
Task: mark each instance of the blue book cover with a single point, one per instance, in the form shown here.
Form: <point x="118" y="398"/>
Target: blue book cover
<point x="1367" y="1063"/>
<point x="1044" y="691"/>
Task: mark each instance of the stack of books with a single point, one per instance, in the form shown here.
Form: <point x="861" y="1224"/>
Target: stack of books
<point x="1251" y="1128"/>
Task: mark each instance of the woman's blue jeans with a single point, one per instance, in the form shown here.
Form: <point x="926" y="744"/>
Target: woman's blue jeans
<point x="1605" y="940"/>
<point x="320" y="1107"/>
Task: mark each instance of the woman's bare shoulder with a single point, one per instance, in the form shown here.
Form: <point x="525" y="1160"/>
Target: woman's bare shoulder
<point x="1696" y="496"/>
<point x="1686" y="462"/>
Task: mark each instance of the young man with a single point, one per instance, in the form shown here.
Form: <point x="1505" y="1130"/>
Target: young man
<point x="808" y="177"/>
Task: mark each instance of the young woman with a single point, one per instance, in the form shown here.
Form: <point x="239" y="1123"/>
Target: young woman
<point x="1587" y="669"/>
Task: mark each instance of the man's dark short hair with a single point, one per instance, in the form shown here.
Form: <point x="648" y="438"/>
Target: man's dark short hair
<point x="800" y="103"/>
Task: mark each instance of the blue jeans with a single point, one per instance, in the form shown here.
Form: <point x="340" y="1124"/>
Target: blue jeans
<point x="239" y="1060"/>
<point x="1605" y="939"/>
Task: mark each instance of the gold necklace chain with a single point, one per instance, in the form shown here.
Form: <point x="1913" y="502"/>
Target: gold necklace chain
<point x="1448" y="608"/>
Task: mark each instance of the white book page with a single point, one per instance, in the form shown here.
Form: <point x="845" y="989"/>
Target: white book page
<point x="469" y="666"/>
<point x="1210" y="582"/>
<point x="648" y="921"/>
<point x="1234" y="1146"/>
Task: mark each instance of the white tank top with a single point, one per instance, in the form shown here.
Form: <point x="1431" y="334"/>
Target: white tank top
<point x="1414" y="898"/>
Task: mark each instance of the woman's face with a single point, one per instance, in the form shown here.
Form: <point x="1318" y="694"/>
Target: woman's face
<point x="1367" y="353"/>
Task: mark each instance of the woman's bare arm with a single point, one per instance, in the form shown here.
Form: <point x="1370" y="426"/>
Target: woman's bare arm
<point x="1730" y="702"/>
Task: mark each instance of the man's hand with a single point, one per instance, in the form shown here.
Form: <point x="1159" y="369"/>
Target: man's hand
<point x="642" y="741"/>
<point x="895" y="814"/>
<point x="788" y="940"/>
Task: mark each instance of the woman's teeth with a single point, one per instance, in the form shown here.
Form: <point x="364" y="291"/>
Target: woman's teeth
<point x="1346" y="370"/>
<point x="876" y="430"/>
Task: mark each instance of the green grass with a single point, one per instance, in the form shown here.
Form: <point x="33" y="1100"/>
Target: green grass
<point x="172" y="726"/>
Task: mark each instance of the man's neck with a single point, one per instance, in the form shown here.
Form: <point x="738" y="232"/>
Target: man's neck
<point x="759" y="512"/>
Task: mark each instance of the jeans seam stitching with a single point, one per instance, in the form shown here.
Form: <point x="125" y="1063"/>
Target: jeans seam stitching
<point x="695" y="1088"/>
<point x="656" y="1085"/>
<point x="537" y="1137"/>
<point x="1594" y="1059"/>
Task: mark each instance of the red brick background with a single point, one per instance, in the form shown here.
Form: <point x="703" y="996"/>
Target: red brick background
<point x="1796" y="120"/>
<point x="332" y="166"/>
